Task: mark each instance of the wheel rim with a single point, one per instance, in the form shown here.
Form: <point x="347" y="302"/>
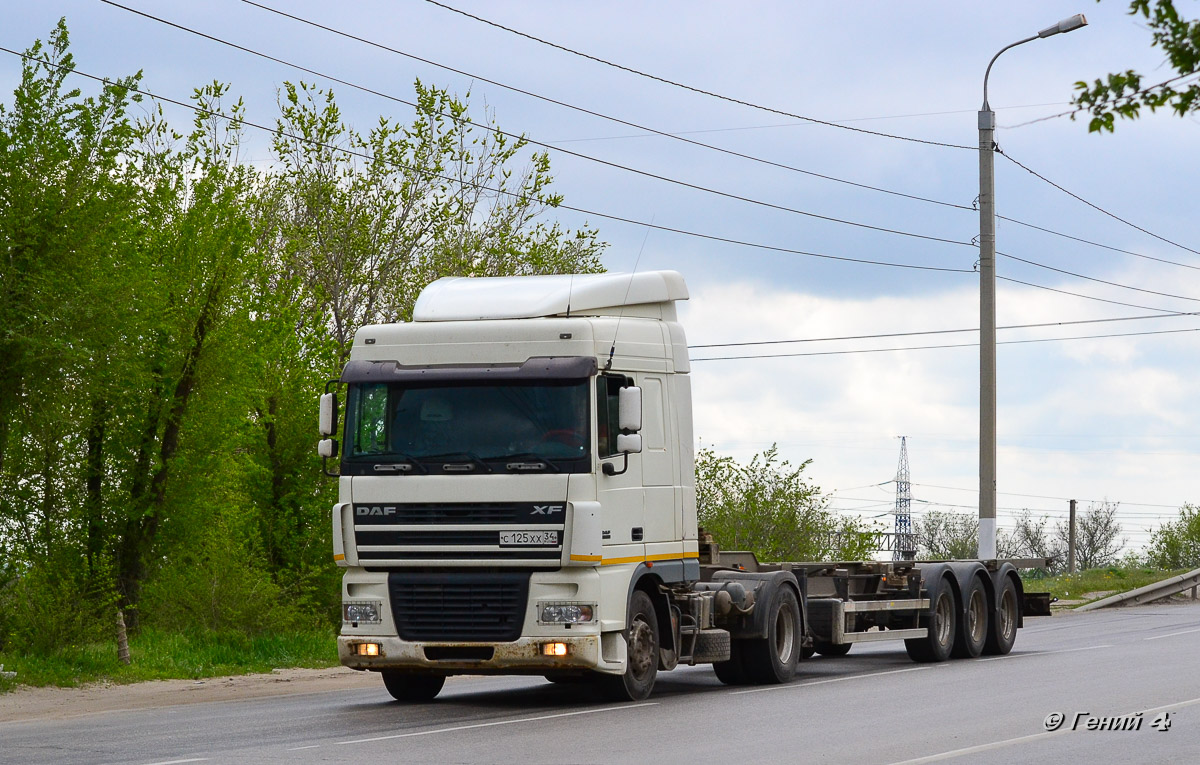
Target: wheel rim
<point x="1008" y="615"/>
<point x="641" y="647"/>
<point x="943" y="619"/>
<point x="785" y="636"/>
<point x="976" y="617"/>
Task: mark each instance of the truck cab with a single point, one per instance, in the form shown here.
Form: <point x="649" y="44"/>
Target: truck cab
<point x="513" y="462"/>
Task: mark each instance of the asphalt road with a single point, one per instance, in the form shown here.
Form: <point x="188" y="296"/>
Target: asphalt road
<point x="872" y="706"/>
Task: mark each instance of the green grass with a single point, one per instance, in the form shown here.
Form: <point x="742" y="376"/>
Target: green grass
<point x="162" y="656"/>
<point x="1117" y="579"/>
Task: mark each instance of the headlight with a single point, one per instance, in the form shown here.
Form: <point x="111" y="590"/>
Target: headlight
<point x="566" y="613"/>
<point x="361" y="611"/>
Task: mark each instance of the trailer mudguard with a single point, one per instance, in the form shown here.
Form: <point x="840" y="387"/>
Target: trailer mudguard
<point x="763" y="585"/>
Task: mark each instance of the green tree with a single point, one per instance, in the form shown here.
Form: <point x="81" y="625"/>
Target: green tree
<point x="1176" y="544"/>
<point x="1122" y="94"/>
<point x="770" y="508"/>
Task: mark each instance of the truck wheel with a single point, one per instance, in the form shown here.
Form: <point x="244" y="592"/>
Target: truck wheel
<point x="411" y="688"/>
<point x="641" y="666"/>
<point x="1003" y="632"/>
<point x="733" y="671"/>
<point x="831" y="649"/>
<point x="773" y="659"/>
<point x="936" y="645"/>
<point x="972" y="632"/>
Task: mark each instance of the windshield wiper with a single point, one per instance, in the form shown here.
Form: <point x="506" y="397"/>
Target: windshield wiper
<point x="457" y="461"/>
<point x="526" y="461"/>
<point x="398" y="467"/>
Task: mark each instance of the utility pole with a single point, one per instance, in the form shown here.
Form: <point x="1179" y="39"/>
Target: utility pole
<point x="1071" y="541"/>
<point x="987" y="300"/>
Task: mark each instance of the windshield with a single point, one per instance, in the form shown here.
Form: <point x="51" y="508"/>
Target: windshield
<point x="489" y="426"/>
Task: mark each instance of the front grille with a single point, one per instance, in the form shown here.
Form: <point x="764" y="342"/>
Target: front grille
<point x="466" y="606"/>
<point x="454" y="513"/>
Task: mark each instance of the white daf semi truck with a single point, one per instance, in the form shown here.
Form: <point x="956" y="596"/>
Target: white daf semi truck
<point x="517" y="496"/>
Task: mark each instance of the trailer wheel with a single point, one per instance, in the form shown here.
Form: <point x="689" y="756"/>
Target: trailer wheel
<point x="972" y="632"/>
<point x="938" y="643"/>
<point x="831" y="649"/>
<point x="410" y="688"/>
<point x="773" y="659"/>
<point x="641" y="666"/>
<point x="1003" y="632"/>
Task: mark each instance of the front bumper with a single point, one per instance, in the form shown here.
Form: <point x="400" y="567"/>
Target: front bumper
<point x="523" y="656"/>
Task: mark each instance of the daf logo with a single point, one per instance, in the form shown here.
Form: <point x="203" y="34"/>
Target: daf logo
<point x="547" y="509"/>
<point x="375" y="510"/>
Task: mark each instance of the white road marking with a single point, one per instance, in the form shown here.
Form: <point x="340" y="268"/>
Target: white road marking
<point x="831" y="680"/>
<point x="1044" y="653"/>
<point x="178" y="762"/>
<point x="1172" y="634"/>
<point x="1033" y="737"/>
<point x="498" y="722"/>
<point x="298" y="748"/>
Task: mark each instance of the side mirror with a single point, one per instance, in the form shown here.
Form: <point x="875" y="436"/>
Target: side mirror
<point x="328" y="419"/>
<point x="327" y="448"/>
<point x="629" y="443"/>
<point x="629" y="411"/>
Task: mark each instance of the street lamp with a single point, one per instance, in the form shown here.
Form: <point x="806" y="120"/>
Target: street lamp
<point x="987" y="301"/>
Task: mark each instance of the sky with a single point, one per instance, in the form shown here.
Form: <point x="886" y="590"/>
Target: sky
<point x="1103" y="419"/>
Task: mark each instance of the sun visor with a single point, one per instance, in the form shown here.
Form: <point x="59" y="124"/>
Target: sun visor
<point x="536" y="368"/>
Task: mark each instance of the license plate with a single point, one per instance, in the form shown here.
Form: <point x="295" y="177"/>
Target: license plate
<point x="528" y="538"/>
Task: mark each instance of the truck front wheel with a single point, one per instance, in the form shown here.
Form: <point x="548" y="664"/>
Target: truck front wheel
<point x="411" y="688"/>
<point x="642" y="643"/>
<point x="773" y="659"/>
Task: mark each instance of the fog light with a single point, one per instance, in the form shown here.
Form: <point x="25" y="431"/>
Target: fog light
<point x="367" y="649"/>
<point x="554" y="649"/>
<point x="366" y="611"/>
<point x="566" y="613"/>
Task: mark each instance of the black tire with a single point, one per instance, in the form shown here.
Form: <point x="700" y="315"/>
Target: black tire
<point x="642" y="646"/>
<point x="410" y="688"/>
<point x="773" y="659"/>
<point x="831" y="649"/>
<point x="1002" y="632"/>
<point x="732" y="672"/>
<point x="972" y="630"/>
<point x="941" y="622"/>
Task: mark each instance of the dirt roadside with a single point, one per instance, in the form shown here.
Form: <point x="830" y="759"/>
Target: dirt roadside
<point x="25" y="703"/>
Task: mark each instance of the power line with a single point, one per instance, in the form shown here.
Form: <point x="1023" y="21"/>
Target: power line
<point x="1096" y="207"/>
<point x="1164" y="311"/>
<point x="584" y="110"/>
<point x="936" y="347"/>
<point x="1094" y="279"/>
<point x="693" y="89"/>
<point x="482" y="187"/>
<point x="1097" y="244"/>
<point x="781" y="124"/>
<point x="938" y="331"/>
<point x="579" y="155"/>
<point x="679" y="135"/>
<point x="1042" y="496"/>
<point x="1072" y="112"/>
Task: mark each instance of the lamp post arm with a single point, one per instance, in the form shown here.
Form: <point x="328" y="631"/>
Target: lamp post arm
<point x="989" y="67"/>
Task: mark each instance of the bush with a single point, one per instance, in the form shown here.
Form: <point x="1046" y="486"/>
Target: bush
<point x="769" y="508"/>
<point x="1176" y="544"/>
